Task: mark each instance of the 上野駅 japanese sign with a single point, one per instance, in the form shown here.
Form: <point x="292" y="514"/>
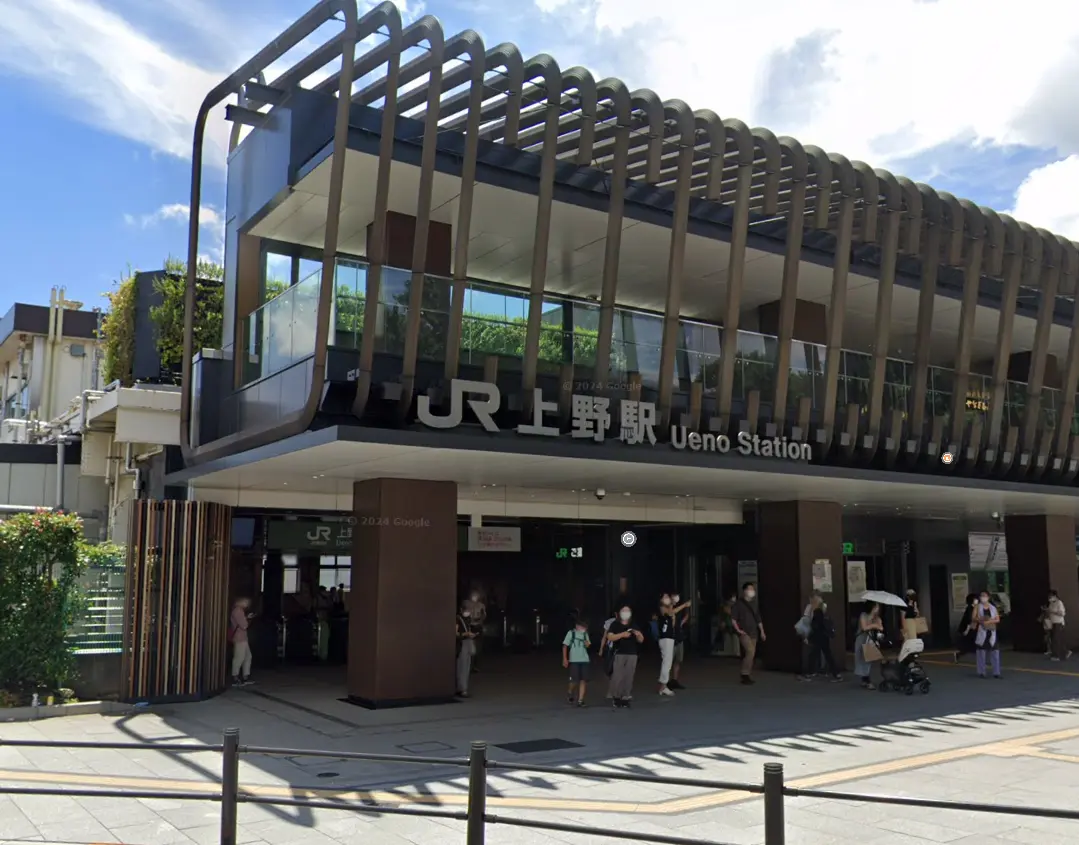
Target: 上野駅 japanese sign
<point x="591" y="418"/>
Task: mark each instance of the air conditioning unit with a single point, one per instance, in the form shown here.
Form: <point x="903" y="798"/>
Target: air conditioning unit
<point x="78" y="350"/>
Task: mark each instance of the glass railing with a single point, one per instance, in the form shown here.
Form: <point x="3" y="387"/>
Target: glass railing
<point x="281" y="333"/>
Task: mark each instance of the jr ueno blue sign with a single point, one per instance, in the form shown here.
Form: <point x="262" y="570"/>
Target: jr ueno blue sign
<point x="591" y="418"/>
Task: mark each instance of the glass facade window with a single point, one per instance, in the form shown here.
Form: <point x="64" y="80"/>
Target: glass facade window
<point x="335" y="571"/>
<point x="495" y="322"/>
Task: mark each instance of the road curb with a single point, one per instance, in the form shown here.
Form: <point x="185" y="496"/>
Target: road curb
<point x="50" y="711"/>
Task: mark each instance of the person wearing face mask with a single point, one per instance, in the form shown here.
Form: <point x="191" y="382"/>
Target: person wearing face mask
<point x="466" y="649"/>
<point x="986" y="619"/>
<point x="664" y="633"/>
<point x="1054" y="616"/>
<point x="478" y="618"/>
<point x="750" y="628"/>
<point x="575" y="657"/>
<point x="624" y="637"/>
<point x="681" y="635"/>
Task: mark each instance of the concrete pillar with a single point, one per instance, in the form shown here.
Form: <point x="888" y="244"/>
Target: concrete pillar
<point x="1041" y="557"/>
<point x="404" y="552"/>
<point x="793" y="537"/>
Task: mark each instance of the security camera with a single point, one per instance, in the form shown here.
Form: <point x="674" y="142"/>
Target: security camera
<point x="600" y="493"/>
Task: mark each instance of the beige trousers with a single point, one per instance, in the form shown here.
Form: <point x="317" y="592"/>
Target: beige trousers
<point x="749" y="653"/>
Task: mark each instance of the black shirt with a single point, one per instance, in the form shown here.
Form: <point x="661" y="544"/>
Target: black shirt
<point x="629" y="644"/>
<point x="665" y="627"/>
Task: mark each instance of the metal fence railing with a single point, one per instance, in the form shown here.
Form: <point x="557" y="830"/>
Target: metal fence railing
<point x="475" y="816"/>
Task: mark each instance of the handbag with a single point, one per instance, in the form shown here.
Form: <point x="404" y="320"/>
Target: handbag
<point x="608" y="661"/>
<point x="802" y="628"/>
<point x="921" y="625"/>
<point x="871" y="653"/>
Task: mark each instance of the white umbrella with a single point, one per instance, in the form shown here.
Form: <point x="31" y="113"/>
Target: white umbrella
<point x="881" y="597"/>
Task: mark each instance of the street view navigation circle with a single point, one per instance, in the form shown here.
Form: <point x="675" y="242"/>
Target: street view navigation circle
<point x="946" y="458"/>
<point x="629" y="539"/>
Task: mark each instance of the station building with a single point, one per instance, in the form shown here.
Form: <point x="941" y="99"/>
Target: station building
<point x="491" y="324"/>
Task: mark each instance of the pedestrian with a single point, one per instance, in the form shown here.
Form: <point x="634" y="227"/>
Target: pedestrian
<point x="986" y="619"/>
<point x="606" y="651"/>
<point x="478" y="619"/>
<point x="681" y="636"/>
<point x="964" y="643"/>
<point x="239" y="621"/>
<point x="750" y="628"/>
<point x="665" y="638"/>
<point x="821" y="633"/>
<point x="1054" y="614"/>
<point x="576" y="659"/>
<point x="867" y="643"/>
<point x="625" y="638"/>
<point x="466" y="649"/>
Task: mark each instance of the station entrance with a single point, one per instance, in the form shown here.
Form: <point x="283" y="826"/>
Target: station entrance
<point x="298" y="572"/>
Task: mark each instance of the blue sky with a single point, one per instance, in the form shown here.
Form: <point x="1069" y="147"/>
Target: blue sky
<point x="97" y="178"/>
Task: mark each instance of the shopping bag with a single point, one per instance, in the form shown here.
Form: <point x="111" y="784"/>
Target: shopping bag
<point x="802" y="628"/>
<point x="870" y="653"/>
<point x="921" y="626"/>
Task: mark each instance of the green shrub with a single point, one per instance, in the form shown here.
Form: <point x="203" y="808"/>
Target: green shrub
<point x="42" y="555"/>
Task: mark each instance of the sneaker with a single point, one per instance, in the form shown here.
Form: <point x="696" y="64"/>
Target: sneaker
<point x="246" y="682"/>
<point x="666" y="691"/>
<point x="805" y="678"/>
<point x="676" y="685"/>
<point x="571" y="699"/>
<point x="462" y="695"/>
<point x="836" y="679"/>
<point x="236" y="682"/>
<point x="581" y="704"/>
<point x="1066" y="656"/>
<point x="1054" y="659"/>
<point x="747" y="681"/>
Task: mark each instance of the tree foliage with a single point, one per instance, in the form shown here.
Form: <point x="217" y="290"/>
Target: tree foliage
<point x="168" y="316"/>
<point x="118" y="323"/>
<point x="118" y="331"/>
<point x="42" y="555"/>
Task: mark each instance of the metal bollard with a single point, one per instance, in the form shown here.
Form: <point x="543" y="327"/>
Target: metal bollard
<point x="230" y="785"/>
<point x="477" y="794"/>
<point x="774" y="824"/>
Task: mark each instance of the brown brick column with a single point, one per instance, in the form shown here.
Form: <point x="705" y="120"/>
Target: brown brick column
<point x="793" y="536"/>
<point x="404" y="592"/>
<point x="1041" y="557"/>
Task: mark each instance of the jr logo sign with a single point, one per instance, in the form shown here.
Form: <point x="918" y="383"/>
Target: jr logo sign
<point x="319" y="535"/>
<point x="483" y="407"/>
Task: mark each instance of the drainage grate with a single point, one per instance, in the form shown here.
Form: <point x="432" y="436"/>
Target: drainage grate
<point x="535" y="746"/>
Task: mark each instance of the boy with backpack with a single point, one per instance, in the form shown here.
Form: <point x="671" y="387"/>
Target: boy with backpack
<point x="576" y="658"/>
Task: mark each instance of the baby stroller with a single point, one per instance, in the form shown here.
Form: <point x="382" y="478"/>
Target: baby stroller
<point x="905" y="672"/>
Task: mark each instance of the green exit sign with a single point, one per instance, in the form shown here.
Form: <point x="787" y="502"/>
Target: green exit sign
<point x="848" y="548"/>
<point x="566" y="553"/>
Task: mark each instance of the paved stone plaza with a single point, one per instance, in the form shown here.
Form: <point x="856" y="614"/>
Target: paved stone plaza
<point x="1013" y="741"/>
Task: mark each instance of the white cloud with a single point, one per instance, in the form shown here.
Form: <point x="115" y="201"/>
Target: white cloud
<point x="1047" y="198"/>
<point x="881" y="82"/>
<point x="874" y="81"/>
<point x="211" y="222"/>
<point x="122" y="80"/>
